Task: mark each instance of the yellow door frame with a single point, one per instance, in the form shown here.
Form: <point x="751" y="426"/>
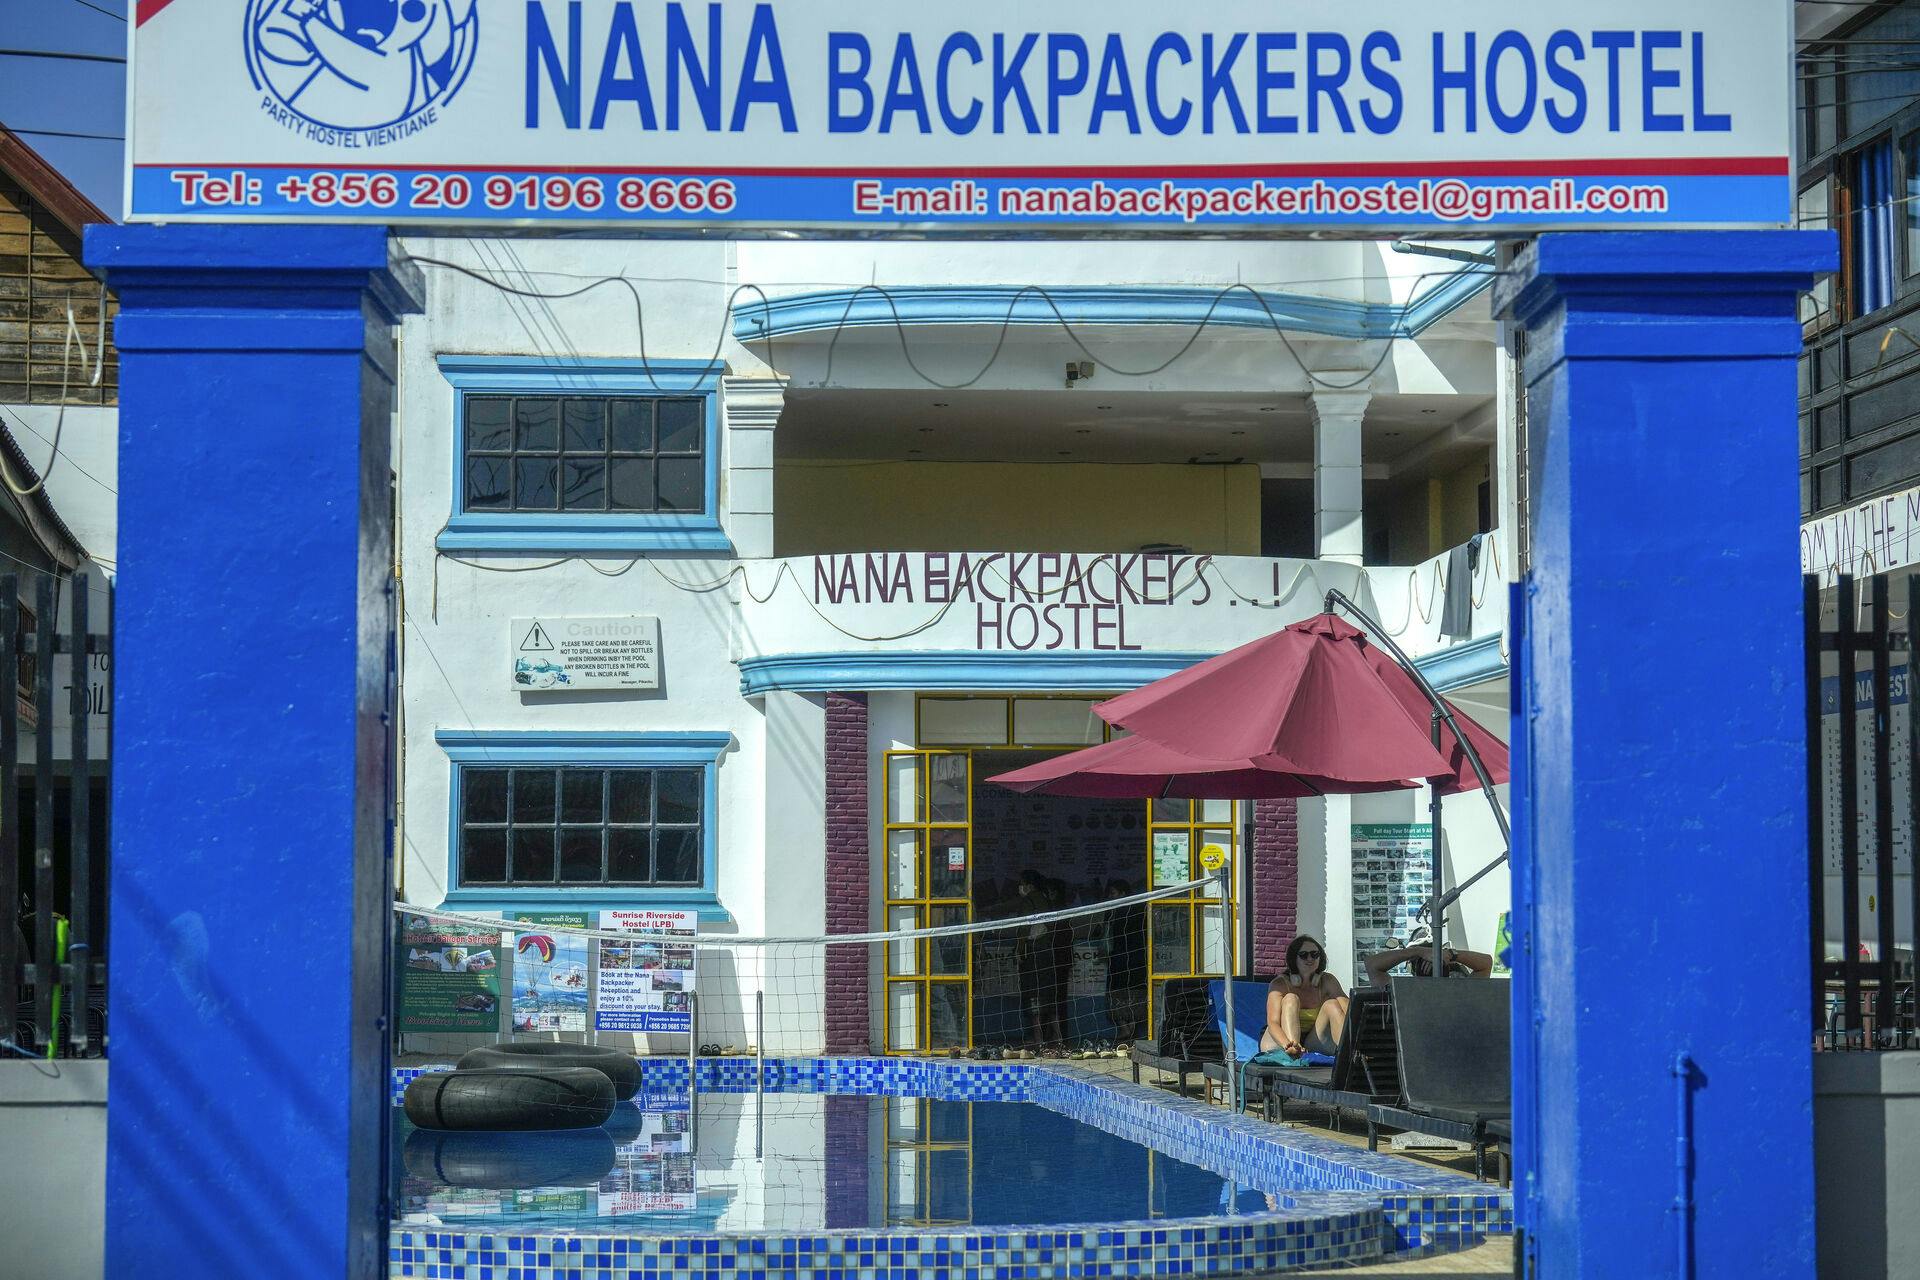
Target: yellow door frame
<point x="920" y="894"/>
<point x="925" y="1151"/>
<point x="1177" y="832"/>
<point x="1192" y="918"/>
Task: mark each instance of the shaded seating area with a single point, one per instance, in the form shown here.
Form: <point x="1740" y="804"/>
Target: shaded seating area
<point x="1455" y="1082"/>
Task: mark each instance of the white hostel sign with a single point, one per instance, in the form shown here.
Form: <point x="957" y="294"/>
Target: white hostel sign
<point x="995" y="115"/>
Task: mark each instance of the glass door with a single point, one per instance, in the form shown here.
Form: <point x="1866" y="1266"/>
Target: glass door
<point x="1187" y="940"/>
<point x="929" y="852"/>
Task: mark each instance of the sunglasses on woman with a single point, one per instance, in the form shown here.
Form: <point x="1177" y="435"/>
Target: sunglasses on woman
<point x="1309" y="955"/>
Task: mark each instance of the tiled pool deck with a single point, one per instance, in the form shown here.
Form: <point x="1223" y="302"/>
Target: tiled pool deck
<point x="1372" y="1205"/>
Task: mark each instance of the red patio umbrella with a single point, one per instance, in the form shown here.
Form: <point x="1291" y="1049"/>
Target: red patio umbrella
<point x="1314" y="708"/>
<point x="1128" y="768"/>
<point x="1314" y="699"/>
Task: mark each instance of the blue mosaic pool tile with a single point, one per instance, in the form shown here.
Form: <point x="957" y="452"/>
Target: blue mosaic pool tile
<point x="1203" y="1246"/>
<point x="1365" y="1203"/>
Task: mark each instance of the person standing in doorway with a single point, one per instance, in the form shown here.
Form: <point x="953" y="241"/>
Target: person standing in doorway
<point x="1126" y="965"/>
<point x="1046" y="962"/>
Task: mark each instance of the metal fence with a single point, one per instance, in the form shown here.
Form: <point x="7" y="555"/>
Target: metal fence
<point x="53" y="850"/>
<point x="1863" y="736"/>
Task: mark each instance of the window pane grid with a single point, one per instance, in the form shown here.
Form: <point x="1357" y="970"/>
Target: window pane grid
<point x="609" y="454"/>
<point x="572" y="826"/>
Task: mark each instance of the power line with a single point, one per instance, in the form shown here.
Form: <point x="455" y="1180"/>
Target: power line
<point x="29" y="428"/>
<point x="62" y="133"/>
<point x="89" y="4"/>
<point x="60" y="55"/>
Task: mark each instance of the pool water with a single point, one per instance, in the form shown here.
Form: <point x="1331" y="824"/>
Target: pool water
<point x="799" y="1163"/>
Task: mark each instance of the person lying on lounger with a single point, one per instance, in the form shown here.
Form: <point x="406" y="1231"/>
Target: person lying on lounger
<point x="1306" y="1006"/>
<point x="1419" y="953"/>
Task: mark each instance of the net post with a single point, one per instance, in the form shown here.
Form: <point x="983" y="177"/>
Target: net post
<point x="693" y="1069"/>
<point x="759" y="1073"/>
<point x="1227" y="1044"/>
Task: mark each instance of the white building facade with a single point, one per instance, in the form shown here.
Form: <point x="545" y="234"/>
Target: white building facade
<point x="902" y="513"/>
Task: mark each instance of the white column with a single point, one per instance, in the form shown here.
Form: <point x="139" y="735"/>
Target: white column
<point x="1337" y="530"/>
<point x="752" y="408"/>
<point x="793" y="868"/>
<point x="1506" y="452"/>
<point x="1325" y="908"/>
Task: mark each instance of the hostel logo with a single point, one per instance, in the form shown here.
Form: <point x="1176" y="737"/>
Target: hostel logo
<point x="359" y="73"/>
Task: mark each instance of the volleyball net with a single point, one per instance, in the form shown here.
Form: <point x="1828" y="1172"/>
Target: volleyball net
<point x="1044" y="976"/>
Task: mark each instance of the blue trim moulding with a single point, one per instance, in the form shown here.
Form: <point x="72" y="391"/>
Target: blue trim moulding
<point x="1463" y="664"/>
<point x="1103" y="305"/>
<point x="1075" y="670"/>
<point x="520" y="531"/>
<point x="659" y="750"/>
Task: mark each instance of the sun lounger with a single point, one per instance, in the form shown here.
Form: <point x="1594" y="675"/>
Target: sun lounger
<point x="1364" y="1071"/>
<point x="1500" y="1137"/>
<point x="1185" y="1039"/>
<point x="1454" y="1078"/>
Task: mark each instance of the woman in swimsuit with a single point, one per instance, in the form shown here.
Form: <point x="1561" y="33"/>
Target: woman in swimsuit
<point x="1306" y="1006"/>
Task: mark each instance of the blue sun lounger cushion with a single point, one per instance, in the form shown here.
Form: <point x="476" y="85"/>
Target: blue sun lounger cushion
<point x="1250" y="1019"/>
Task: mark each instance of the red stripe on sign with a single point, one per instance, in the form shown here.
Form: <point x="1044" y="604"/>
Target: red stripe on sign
<point x="147" y="8"/>
<point x="1676" y="166"/>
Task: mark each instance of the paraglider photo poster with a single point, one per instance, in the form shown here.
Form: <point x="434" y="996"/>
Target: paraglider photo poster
<point x="550" y="973"/>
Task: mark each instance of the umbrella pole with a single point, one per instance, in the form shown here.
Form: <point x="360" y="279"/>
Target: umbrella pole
<point x="1438" y="703"/>
<point x="1433" y="820"/>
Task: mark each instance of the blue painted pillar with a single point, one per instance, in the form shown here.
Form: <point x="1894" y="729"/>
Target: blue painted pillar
<point x="246" y="1110"/>
<point x="1661" y="868"/>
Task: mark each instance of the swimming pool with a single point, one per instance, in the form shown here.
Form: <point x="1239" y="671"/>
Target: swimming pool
<point x="900" y="1169"/>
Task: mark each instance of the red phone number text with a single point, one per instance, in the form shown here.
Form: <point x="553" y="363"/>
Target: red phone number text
<point x="328" y="189"/>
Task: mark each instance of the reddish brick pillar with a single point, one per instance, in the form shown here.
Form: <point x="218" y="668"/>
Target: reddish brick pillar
<point x="1276" y="881"/>
<point x="846" y="1151"/>
<point x="849" y="880"/>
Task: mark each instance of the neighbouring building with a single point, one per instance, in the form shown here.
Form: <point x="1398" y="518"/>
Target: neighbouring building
<point x="58" y="423"/>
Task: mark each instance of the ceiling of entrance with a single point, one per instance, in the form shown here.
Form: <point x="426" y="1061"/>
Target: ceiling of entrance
<point x="1090" y="425"/>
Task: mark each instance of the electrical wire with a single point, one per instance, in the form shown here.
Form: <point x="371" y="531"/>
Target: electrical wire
<point x="28" y="427"/>
<point x="100" y="9"/>
<point x="61" y="133"/>
<point x="714" y="363"/>
<point x="61" y="55"/>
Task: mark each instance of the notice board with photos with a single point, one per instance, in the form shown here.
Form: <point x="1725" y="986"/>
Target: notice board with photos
<point x="1392" y="877"/>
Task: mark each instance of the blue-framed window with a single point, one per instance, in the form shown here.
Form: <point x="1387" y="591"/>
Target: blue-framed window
<point x="584" y="455"/>
<point x="594" y="820"/>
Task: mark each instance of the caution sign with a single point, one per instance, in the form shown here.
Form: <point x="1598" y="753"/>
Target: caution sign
<point x="558" y="655"/>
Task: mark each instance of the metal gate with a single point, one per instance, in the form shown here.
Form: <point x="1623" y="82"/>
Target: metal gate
<point x="53" y="811"/>
<point x="1863" y="811"/>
